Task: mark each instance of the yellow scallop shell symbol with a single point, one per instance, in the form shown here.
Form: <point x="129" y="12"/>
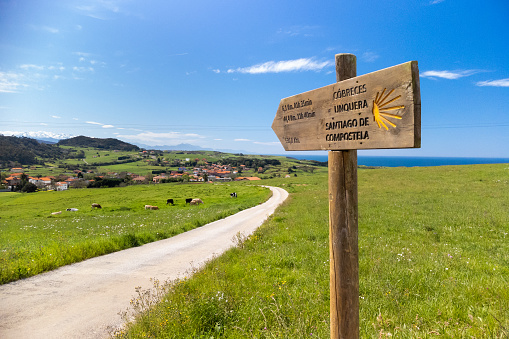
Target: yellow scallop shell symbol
<point x="380" y="110"/>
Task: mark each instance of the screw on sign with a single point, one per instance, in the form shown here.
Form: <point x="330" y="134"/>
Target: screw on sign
<point x="372" y="111"/>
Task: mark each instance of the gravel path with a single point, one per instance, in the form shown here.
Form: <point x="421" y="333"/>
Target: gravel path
<point x="83" y="300"/>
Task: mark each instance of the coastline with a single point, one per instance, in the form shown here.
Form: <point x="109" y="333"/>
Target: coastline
<point x="403" y="161"/>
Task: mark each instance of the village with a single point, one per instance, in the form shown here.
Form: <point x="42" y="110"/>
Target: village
<point x="204" y="172"/>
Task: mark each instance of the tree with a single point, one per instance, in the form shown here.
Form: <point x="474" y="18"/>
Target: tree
<point x="29" y="188"/>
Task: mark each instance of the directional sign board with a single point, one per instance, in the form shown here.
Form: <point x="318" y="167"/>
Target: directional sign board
<point x="372" y="111"/>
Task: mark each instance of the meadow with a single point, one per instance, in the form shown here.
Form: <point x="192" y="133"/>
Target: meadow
<point x="32" y="240"/>
<point x="433" y="261"/>
<point x="105" y="161"/>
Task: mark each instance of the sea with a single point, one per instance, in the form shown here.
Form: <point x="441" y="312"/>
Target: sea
<point x="385" y="161"/>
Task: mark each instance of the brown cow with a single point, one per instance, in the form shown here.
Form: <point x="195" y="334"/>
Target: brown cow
<point x="154" y="207"/>
<point x="94" y="205"/>
<point x="196" y="202"/>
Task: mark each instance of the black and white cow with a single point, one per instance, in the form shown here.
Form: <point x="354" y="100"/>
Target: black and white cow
<point x="233" y="195"/>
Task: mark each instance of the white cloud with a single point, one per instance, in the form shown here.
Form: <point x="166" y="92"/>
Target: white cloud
<point x="302" y="30"/>
<point x="271" y="143"/>
<point x="369" y="56"/>
<point x="153" y="139"/>
<point x="108" y="126"/>
<point x="50" y="29"/>
<point x="56" y="68"/>
<point x="10" y="82"/>
<point x="31" y="66"/>
<point x="494" y="83"/>
<point x="242" y="140"/>
<point x="45" y="28"/>
<point x="32" y="76"/>
<point x="93" y="123"/>
<point x="82" y="54"/>
<point x="303" y="64"/>
<point x="193" y="135"/>
<point x="101" y="9"/>
<point x="434" y="2"/>
<point x="56" y="117"/>
<point x="83" y="69"/>
<point x="218" y="139"/>
<point x="451" y="75"/>
<point x="217" y="71"/>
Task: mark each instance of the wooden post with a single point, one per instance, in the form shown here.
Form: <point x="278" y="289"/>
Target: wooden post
<point x="343" y="229"/>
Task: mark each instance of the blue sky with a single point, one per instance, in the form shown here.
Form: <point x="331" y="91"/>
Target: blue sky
<point x="212" y="73"/>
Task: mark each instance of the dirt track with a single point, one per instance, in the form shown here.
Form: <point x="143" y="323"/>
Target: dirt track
<point x="83" y="300"/>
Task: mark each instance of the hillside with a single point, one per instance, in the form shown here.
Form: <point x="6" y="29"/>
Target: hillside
<point x="15" y="151"/>
<point x="104" y="144"/>
<point x="25" y="151"/>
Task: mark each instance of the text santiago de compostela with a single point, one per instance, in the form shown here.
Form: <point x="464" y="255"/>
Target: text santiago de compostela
<point x="339" y="108"/>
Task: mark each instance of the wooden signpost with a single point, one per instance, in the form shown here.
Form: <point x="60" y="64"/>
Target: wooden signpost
<point x="376" y="110"/>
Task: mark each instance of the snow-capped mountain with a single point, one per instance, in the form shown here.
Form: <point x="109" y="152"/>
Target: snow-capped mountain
<point x="40" y="135"/>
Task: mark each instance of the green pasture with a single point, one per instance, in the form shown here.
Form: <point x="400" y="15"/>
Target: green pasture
<point x="32" y="240"/>
<point x="140" y="167"/>
<point x="433" y="262"/>
<point x="104" y="161"/>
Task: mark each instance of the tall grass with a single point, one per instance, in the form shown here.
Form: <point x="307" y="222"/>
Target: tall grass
<point x="434" y="261"/>
<point x="34" y="241"/>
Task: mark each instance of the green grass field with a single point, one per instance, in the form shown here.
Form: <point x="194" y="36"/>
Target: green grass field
<point x="105" y="161"/>
<point x="34" y="241"/>
<point x="433" y="262"/>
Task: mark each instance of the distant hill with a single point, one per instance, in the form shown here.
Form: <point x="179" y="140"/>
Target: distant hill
<point x="106" y="144"/>
<point x="25" y="151"/>
<point x="188" y="147"/>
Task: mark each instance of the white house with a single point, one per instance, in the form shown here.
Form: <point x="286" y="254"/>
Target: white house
<point x="61" y="186"/>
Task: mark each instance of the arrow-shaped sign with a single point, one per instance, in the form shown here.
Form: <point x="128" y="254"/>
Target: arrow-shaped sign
<point x="376" y="110"/>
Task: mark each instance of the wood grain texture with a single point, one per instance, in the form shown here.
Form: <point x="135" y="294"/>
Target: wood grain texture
<point x="343" y="231"/>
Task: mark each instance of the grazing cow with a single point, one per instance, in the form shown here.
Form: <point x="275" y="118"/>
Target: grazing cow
<point x="94" y="205"/>
<point x="196" y="202"/>
<point x="147" y="207"/>
<point x="233" y="195"/>
<point x="169" y="201"/>
<point x="55" y="213"/>
<point x="188" y="200"/>
<point x="154" y="207"/>
<point x="72" y="210"/>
